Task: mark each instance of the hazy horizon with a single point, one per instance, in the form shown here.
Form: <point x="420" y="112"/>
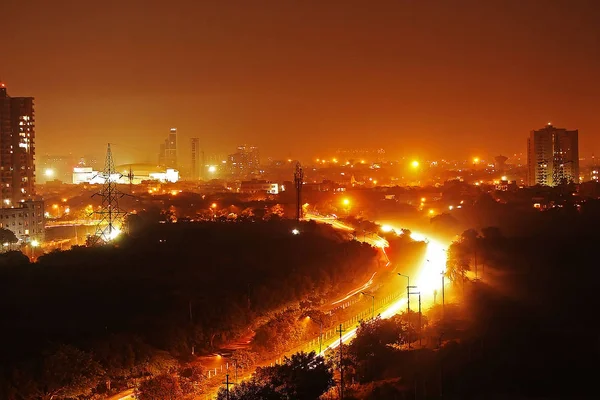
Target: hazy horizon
<point x="300" y="79"/>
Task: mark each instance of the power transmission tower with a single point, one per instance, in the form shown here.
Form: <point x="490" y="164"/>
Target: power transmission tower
<point x="111" y="217"/>
<point x="298" y="182"/>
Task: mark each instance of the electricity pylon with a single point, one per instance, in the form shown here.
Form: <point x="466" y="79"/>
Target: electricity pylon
<point x="111" y="216"/>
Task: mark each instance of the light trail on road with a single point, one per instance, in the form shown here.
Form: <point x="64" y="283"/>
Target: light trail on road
<point x="357" y="290"/>
<point x="429" y="277"/>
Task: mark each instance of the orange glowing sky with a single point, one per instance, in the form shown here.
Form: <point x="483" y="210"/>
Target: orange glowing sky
<point x="427" y="78"/>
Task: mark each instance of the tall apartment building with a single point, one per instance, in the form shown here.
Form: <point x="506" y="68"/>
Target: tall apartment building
<point x="197" y="160"/>
<point x="167" y="156"/>
<point x="244" y="163"/>
<point x="552" y="156"/>
<point x="17" y="148"/>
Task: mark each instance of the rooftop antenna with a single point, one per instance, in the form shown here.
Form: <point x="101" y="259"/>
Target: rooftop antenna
<point x="130" y="176"/>
<point x="111" y="217"/>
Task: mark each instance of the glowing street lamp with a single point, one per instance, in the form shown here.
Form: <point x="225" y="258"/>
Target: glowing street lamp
<point x="414" y="164"/>
<point x="373" y="303"/>
<point x="34" y="243"/>
<point x="212" y="169"/>
<point x="320" y="332"/>
<point x="49" y="172"/>
<point x="295" y="232"/>
<point x="407" y="300"/>
<point x="346" y="203"/>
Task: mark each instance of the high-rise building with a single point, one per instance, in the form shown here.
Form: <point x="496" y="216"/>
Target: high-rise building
<point x="552" y="156"/>
<point x="17" y="148"/>
<point x="167" y="156"/>
<point x="197" y="160"/>
<point x="244" y="163"/>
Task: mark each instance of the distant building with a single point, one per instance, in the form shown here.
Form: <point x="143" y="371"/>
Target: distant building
<point x="594" y="173"/>
<point x="17" y="148"/>
<point x="552" y="156"/>
<point x="167" y="156"/>
<point x="197" y="160"/>
<point x="137" y="172"/>
<point x="26" y="220"/>
<point x="244" y="163"/>
<point x="500" y="163"/>
<point x="259" y="186"/>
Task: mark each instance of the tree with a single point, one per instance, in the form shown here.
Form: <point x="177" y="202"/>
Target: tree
<point x="160" y="387"/>
<point x="66" y="372"/>
<point x="243" y="358"/>
<point x="7" y="236"/>
<point x="457" y="263"/>
<point x="192" y="379"/>
<point x="304" y="376"/>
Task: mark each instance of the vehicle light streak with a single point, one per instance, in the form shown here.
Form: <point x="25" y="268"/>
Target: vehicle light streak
<point x="428" y="280"/>
<point x="357" y="290"/>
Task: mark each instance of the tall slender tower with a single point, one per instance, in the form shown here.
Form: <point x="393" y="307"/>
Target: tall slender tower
<point x="197" y="163"/>
<point x="167" y="156"/>
<point x="298" y="182"/>
<point x="111" y="217"/>
<point x="17" y="148"/>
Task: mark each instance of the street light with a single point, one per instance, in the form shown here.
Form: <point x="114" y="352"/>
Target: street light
<point x="417" y="293"/>
<point x="34" y="243"/>
<point x="373" y="299"/>
<point x="320" y="332"/>
<point x="346" y="203"/>
<point x="407" y="302"/>
<point x="407" y="295"/>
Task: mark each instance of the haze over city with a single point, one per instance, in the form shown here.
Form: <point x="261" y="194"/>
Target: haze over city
<point x="299" y="79"/>
<point x="299" y="199"/>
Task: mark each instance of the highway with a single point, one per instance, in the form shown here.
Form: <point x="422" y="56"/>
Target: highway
<point x="429" y="278"/>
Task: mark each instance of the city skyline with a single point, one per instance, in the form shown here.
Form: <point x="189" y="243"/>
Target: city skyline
<point x="327" y="83"/>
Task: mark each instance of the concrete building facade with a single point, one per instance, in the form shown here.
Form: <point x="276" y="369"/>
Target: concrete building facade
<point x="26" y="220"/>
<point x="552" y="156"/>
<point x="17" y="148"/>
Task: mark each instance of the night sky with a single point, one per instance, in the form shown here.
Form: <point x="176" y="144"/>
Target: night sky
<point x="447" y="78"/>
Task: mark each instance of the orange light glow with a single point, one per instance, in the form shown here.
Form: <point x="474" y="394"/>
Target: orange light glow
<point x="414" y="164"/>
<point x="213" y="205"/>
